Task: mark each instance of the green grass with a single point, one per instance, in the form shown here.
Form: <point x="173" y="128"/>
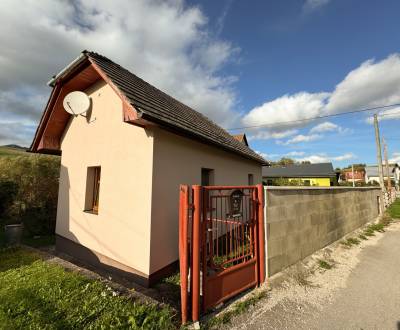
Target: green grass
<point x="12" y="152"/>
<point x="394" y="209"/>
<point x="237" y="309"/>
<point x="39" y="241"/>
<point x="363" y="237"/>
<point x="37" y="295"/>
<point x="351" y="241"/>
<point x="324" y="264"/>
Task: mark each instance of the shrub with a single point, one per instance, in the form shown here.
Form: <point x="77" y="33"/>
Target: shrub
<point x="8" y="191"/>
<point x="34" y="179"/>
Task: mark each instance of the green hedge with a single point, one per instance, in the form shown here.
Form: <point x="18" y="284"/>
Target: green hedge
<point x="28" y="192"/>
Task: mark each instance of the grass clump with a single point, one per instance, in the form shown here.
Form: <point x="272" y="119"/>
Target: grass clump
<point x="362" y="237"/>
<point x="239" y="308"/>
<point x="394" y="209"/>
<point x="324" y="264"/>
<point x="35" y="294"/>
<point x="351" y="241"/>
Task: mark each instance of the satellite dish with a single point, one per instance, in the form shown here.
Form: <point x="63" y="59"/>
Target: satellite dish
<point x="76" y="103"/>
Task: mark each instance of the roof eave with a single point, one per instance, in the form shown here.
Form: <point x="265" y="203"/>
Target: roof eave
<point x="70" y="67"/>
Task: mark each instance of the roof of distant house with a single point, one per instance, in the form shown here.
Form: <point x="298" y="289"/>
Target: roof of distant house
<point x="153" y="105"/>
<point x="241" y="138"/>
<point x="321" y="170"/>
<point x="373" y="171"/>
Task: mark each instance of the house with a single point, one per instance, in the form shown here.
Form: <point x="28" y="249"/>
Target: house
<point x="356" y="175"/>
<point x="122" y="163"/>
<point x="321" y="174"/>
<point x="241" y="138"/>
<point x="372" y="174"/>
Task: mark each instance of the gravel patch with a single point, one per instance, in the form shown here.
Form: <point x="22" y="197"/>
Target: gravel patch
<point x="298" y="292"/>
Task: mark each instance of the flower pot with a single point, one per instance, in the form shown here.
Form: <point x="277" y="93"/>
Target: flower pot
<point x="13" y="234"/>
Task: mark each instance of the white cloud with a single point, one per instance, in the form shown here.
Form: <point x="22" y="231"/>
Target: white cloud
<point x="266" y="135"/>
<point x="324" y="158"/>
<point x="373" y="83"/>
<point x="166" y="43"/>
<point x="324" y="127"/>
<point x="395" y="158"/>
<point x="302" y="138"/>
<point x="299" y="106"/>
<point x="295" y="153"/>
<point x="311" y="5"/>
<point x="393" y="113"/>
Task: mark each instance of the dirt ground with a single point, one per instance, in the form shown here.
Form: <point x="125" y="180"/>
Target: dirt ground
<point x="360" y="291"/>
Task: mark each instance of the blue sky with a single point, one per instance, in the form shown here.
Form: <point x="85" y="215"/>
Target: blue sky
<point x="286" y="49"/>
<point x="240" y="63"/>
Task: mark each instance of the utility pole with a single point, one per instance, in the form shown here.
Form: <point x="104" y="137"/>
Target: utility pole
<point x="352" y="174"/>
<point x="379" y="152"/>
<point x="389" y="184"/>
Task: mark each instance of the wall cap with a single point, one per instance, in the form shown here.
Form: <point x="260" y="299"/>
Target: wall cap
<point x="318" y="188"/>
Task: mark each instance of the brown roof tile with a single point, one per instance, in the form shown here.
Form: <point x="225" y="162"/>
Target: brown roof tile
<point x="159" y="107"/>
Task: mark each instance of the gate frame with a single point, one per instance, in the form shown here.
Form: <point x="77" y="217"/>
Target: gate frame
<point x="196" y="212"/>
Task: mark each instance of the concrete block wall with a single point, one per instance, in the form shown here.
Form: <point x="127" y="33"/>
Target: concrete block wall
<point x="302" y="220"/>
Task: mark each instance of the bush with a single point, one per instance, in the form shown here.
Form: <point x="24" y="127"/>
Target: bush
<point x="34" y="179"/>
<point x="8" y="191"/>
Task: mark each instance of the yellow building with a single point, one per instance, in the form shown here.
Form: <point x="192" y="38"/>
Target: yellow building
<point x="320" y="175"/>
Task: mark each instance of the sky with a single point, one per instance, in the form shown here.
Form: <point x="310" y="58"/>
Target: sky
<point x="263" y="68"/>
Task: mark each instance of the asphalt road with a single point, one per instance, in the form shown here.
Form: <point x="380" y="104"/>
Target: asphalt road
<point x="370" y="299"/>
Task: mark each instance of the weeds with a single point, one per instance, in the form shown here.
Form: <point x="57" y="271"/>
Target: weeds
<point x="324" y="264"/>
<point x="237" y="309"/>
<point x="351" y="241"/>
<point x="363" y="237"/>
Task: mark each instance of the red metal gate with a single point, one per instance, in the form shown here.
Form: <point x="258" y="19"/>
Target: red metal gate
<point x="221" y="237"/>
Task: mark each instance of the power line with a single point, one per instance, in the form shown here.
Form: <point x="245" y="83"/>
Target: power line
<point x="283" y="123"/>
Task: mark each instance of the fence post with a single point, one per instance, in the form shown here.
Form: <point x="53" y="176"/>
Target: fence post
<point x="261" y="237"/>
<point x="196" y="243"/>
<point x="183" y="248"/>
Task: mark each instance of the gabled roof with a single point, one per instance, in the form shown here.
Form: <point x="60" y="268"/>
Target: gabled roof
<point x="373" y="171"/>
<point x="241" y="138"/>
<point x="150" y="104"/>
<point x="321" y="170"/>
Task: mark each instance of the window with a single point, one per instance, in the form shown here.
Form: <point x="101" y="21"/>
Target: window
<point x="250" y="179"/>
<point x="92" y="189"/>
<point x="207" y="177"/>
<point x="307" y="182"/>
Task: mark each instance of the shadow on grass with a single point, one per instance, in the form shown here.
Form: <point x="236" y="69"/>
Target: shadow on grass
<point x="15" y="257"/>
<point x="29" y="315"/>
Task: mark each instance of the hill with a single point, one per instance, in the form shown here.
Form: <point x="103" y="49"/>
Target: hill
<point x="13" y="150"/>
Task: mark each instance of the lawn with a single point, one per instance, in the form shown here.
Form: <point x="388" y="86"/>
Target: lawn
<point x="394" y="209"/>
<point x="9" y="151"/>
<point x="35" y="294"/>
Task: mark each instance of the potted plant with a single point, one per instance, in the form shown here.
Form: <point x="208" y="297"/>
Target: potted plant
<point x="13" y="232"/>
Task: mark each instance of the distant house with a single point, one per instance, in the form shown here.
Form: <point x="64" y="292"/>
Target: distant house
<point x="122" y="164"/>
<point x="372" y="174"/>
<point x="321" y="174"/>
<point x="358" y="175"/>
<point x="241" y="138"/>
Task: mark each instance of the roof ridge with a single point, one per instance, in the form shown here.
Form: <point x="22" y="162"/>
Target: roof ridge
<point x="172" y="107"/>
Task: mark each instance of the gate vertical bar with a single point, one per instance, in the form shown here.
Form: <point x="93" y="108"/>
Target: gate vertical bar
<point x="196" y="243"/>
<point x="261" y="234"/>
<point x="183" y="248"/>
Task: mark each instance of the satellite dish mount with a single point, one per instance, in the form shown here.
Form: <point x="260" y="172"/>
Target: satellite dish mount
<point x="77" y="103"/>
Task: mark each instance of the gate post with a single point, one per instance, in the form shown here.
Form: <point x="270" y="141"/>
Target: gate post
<point x="196" y="243"/>
<point x="183" y="248"/>
<point x="261" y="234"/>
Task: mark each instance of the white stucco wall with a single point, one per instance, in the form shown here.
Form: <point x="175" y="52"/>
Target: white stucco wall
<point x="121" y="230"/>
<point x="178" y="160"/>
